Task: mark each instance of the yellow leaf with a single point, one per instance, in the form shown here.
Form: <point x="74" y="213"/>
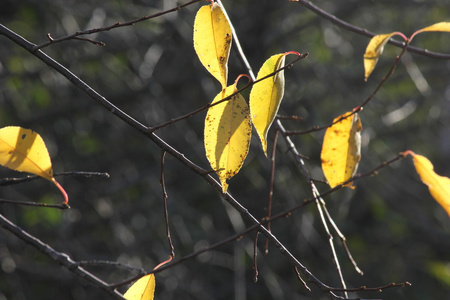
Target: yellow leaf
<point x="341" y="149"/>
<point x="266" y="96"/>
<point x="24" y="150"/>
<point x="227" y="135"/>
<point x="439" y="186"/>
<point x="442" y="26"/>
<point x="212" y="41"/>
<point x="373" y="51"/>
<point x="143" y="289"/>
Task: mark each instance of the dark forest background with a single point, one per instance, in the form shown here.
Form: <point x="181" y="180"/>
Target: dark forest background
<point x="394" y="229"/>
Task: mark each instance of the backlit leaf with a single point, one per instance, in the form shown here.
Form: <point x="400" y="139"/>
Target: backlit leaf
<point x="341" y="149"/>
<point x="439" y="186"/>
<point x="373" y="51"/>
<point x="24" y="150"/>
<point x="143" y="289"/>
<point x="227" y="135"/>
<point x="266" y="96"/>
<point x="212" y="40"/>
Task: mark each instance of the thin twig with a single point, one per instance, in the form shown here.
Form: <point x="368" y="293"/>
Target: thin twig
<point x="11" y="181"/>
<point x="320" y="204"/>
<point x="343" y="240"/>
<point x="76" y="35"/>
<point x="166" y="214"/>
<point x="290" y="118"/>
<point x="374" y="289"/>
<point x="96" y="263"/>
<point x="301" y="279"/>
<point x="255" y="257"/>
<point x="36" y="204"/>
<point x="272" y="178"/>
<point x="98" y="43"/>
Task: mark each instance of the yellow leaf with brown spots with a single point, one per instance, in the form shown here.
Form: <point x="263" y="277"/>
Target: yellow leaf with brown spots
<point x="227" y="134"/>
<point x="341" y="149"/>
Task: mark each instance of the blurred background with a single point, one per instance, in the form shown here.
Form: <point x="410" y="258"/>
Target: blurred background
<point x="394" y="228"/>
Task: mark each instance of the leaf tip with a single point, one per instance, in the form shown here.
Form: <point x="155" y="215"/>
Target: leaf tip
<point x="224" y="185"/>
<point x="264" y="146"/>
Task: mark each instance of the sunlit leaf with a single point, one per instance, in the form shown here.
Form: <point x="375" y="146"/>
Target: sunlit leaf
<point x="212" y="40"/>
<point x="341" y="149"/>
<point x="143" y="289"/>
<point x="439" y="186"/>
<point x="24" y="150"/>
<point x="373" y="51"/>
<point x="227" y="135"/>
<point x="266" y="96"/>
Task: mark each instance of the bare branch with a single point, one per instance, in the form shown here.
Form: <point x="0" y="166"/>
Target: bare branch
<point x="62" y="258"/>
<point x="301" y="279"/>
<point x="255" y="257"/>
<point x="374" y="289"/>
<point x="166" y="214"/>
<point x="36" y="204"/>
<point x="11" y="181"/>
<point x="320" y="204"/>
<point x="272" y="177"/>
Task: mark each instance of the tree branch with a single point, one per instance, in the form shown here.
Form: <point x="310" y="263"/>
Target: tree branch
<point x="365" y="32"/>
<point x="62" y="258"/>
<point x="11" y="181"/>
<point x="75" y="36"/>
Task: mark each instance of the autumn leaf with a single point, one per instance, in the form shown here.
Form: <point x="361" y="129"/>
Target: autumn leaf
<point x="375" y="47"/>
<point x="442" y="27"/>
<point x="266" y="96"/>
<point x="212" y="40"/>
<point x="341" y="149"/>
<point x="24" y="150"/>
<point x="439" y="186"/>
<point x="227" y="134"/>
<point x="143" y="289"/>
<point x="374" y="50"/>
